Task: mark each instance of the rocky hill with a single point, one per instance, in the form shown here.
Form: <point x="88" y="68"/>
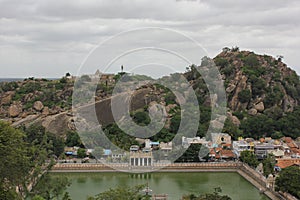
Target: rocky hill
<point x="258" y="87"/>
<point x="257" y="83"/>
<point x="42" y="101"/>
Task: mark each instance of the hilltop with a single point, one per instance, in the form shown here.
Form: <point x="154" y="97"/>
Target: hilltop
<point x="263" y="96"/>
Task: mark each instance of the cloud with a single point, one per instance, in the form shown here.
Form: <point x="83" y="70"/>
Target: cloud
<point x="57" y="34"/>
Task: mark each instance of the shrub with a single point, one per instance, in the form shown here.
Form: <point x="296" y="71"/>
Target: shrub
<point x="228" y="70"/>
<point x="222" y="62"/>
<point x="251" y="60"/>
<point x="29" y="87"/>
<point x="244" y="96"/>
<point x="141" y="118"/>
<point x="9" y="86"/>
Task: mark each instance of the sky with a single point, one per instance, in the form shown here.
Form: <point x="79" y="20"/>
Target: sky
<point x="48" y="38"/>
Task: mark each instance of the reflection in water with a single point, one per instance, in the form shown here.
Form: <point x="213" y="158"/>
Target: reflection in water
<point x="81" y="180"/>
<point x="174" y="184"/>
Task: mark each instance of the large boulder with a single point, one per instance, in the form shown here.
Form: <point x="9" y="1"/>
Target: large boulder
<point x="46" y="111"/>
<point x="38" y="106"/>
<point x="57" y="124"/>
<point x="233" y="119"/>
<point x="15" y="110"/>
<point x="216" y="124"/>
<point x="7" y="97"/>
<point x="259" y="107"/>
<point x="252" y="111"/>
<point x="230" y="88"/>
<point x="240" y="81"/>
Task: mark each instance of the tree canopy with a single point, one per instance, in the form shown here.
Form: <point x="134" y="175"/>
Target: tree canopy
<point x="249" y="158"/>
<point x="14" y="160"/>
<point x="289" y="181"/>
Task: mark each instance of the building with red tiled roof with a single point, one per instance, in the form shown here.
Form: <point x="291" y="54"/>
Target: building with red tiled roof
<point x="287" y="162"/>
<point x="292" y="145"/>
<point x="219" y="153"/>
<point x="287" y="139"/>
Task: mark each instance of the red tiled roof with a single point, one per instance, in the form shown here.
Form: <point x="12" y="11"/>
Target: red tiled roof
<point x="288" y="139"/>
<point x="283" y="163"/>
<point x="214" y="150"/>
<point x="225" y="153"/>
<point x="295" y="150"/>
<point x="292" y="145"/>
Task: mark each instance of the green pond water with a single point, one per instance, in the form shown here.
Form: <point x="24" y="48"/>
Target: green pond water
<point x="171" y="183"/>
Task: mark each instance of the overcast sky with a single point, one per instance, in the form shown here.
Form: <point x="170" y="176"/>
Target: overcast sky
<point x="47" y="38"/>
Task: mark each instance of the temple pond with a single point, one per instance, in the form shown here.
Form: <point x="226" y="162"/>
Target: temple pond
<point x="175" y="184"/>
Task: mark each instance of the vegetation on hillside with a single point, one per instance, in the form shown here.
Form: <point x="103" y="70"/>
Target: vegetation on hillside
<point x="25" y="152"/>
<point x="288" y="181"/>
<point x="263" y="97"/>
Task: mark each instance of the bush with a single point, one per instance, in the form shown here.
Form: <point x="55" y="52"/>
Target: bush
<point x="228" y="70"/>
<point x="244" y="96"/>
<point x="222" y="62"/>
<point x="273" y="98"/>
<point x="239" y="115"/>
<point x="170" y="98"/>
<point x="249" y="158"/>
<point x="81" y="153"/>
<point x="9" y="86"/>
<point x="141" y="118"/>
<point x="29" y="87"/>
<point x="258" y="86"/>
<point x="288" y="181"/>
<point x="251" y="60"/>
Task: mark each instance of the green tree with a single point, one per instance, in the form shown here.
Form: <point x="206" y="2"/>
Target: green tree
<point x="73" y="139"/>
<point x="244" y="96"/>
<point x="249" y="158"/>
<point x="251" y="60"/>
<point x="228" y="70"/>
<point x="175" y="122"/>
<point x="257" y="126"/>
<point x="231" y="129"/>
<point x="34" y="133"/>
<point x="170" y="98"/>
<point x="258" y="86"/>
<point x="8" y="192"/>
<point x="269" y="164"/>
<point x="14" y="160"/>
<point x="81" y="153"/>
<point x="50" y="187"/>
<point x="191" y="154"/>
<point x="117" y="137"/>
<point x="289" y="124"/>
<point x="57" y="144"/>
<point x="288" y="181"/>
<point x="37" y="136"/>
<point x="222" y="62"/>
<point x="141" y="118"/>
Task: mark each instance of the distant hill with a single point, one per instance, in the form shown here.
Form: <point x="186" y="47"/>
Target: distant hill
<point x="263" y="97"/>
